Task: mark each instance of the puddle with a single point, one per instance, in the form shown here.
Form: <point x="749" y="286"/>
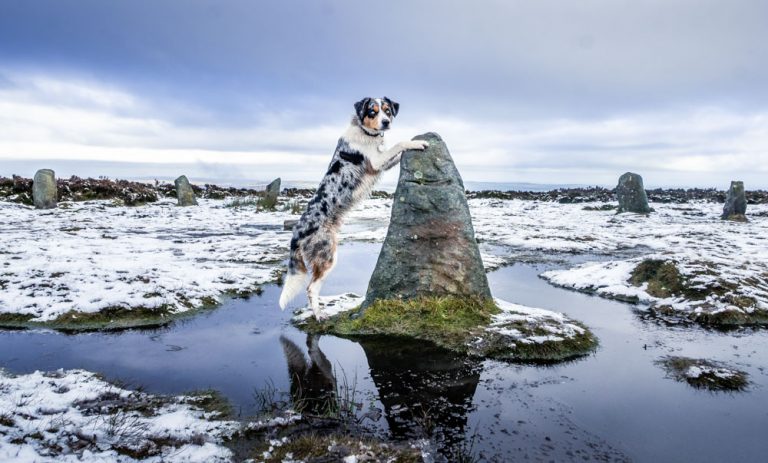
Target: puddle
<point x="613" y="405"/>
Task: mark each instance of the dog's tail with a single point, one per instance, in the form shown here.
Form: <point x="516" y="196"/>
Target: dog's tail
<point x="297" y="274"/>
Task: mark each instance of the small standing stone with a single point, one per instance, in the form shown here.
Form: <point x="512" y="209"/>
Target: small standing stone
<point x="631" y="194"/>
<point x="44" y="189"/>
<point x="270" y="194"/>
<point x="735" y="203"/>
<point x="184" y="193"/>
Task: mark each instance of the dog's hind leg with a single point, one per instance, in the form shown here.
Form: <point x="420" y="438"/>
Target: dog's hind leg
<point x="323" y="261"/>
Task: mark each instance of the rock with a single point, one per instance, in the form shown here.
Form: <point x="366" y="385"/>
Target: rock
<point x="44" y="189"/>
<point x="184" y="193"/>
<point x="270" y="194"/>
<point x="288" y="224"/>
<point x="430" y="248"/>
<point x="631" y="194"/>
<point x="735" y="207"/>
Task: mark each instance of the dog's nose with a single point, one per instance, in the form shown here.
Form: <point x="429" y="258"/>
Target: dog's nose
<point x="385" y="123"/>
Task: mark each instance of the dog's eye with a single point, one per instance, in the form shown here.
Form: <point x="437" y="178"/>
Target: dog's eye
<point x="371" y="113"/>
<point x="387" y="111"/>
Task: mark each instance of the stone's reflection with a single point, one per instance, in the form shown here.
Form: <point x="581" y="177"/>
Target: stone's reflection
<point x="426" y="391"/>
<point x="313" y="386"/>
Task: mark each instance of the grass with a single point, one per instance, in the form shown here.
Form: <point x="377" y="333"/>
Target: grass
<point x="212" y="402"/>
<point x="295" y="207"/>
<point x="448" y="322"/>
<point x="314" y="447"/>
<point x="543" y="352"/>
<point x="455" y="324"/>
<point x="110" y="318"/>
<point x="728" y="378"/>
<point x="663" y="278"/>
<point x="260" y="203"/>
<point x="725" y="319"/>
<point x="121" y="318"/>
<point x="243" y="201"/>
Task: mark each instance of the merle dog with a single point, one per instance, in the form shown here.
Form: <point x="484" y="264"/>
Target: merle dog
<point x="359" y="159"/>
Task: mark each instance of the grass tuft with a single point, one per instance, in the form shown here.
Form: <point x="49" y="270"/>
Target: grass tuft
<point x="663" y="277"/>
<point x="704" y="374"/>
<point x="316" y="448"/>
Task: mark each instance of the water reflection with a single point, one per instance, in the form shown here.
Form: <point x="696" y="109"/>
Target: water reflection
<point x="426" y="391"/>
<point x="312" y="383"/>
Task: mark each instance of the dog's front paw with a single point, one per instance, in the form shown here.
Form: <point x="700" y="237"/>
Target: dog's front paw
<point x="417" y="145"/>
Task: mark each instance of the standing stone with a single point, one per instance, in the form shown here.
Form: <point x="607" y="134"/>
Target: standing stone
<point x="631" y="194"/>
<point x="270" y="194"/>
<point x="184" y="193"/>
<point x="44" y="189"/>
<point x="430" y="248"/>
<point x="735" y="203"/>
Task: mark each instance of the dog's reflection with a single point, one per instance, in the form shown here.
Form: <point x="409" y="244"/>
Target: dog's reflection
<point x="313" y="385"/>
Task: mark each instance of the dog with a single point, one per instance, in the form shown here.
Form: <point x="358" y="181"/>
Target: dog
<point x="356" y="165"/>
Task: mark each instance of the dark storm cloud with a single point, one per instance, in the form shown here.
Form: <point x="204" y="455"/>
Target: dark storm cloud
<point x="494" y="58"/>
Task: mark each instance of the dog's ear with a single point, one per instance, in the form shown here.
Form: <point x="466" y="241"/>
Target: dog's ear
<point x="361" y="107"/>
<point x="395" y="106"/>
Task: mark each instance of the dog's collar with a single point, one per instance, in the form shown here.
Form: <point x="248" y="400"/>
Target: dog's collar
<point x="365" y="130"/>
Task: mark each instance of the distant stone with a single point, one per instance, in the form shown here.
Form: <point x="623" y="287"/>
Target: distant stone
<point x="184" y="193"/>
<point x="44" y="189"/>
<point x="735" y="207"/>
<point x="631" y="194"/>
<point x="289" y="224"/>
<point x="270" y="194"/>
<point x="430" y="248"/>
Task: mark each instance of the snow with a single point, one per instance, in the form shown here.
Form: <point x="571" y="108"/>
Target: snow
<point x="607" y="279"/>
<point x="68" y="416"/>
<point x="330" y="306"/>
<point x="518" y="323"/>
<point x="697" y="371"/>
<point x="88" y="256"/>
<point x="707" y="251"/>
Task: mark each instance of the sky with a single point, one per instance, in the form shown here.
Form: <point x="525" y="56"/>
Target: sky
<point x="545" y="91"/>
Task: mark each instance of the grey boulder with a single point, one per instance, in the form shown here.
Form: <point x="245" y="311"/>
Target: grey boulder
<point x="44" y="189"/>
<point x="289" y="224"/>
<point x="185" y="195"/>
<point x="631" y="194"/>
<point x="430" y="248"/>
<point x="735" y="207"/>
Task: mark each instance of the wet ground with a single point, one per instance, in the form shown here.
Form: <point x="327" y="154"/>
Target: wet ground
<point x="614" y="405"/>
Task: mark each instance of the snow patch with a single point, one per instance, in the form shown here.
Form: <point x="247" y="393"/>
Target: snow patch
<point x="330" y="306"/>
<point x="69" y="416"/>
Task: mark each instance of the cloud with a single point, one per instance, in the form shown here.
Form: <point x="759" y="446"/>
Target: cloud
<point x="47" y="118"/>
<point x="547" y="58"/>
